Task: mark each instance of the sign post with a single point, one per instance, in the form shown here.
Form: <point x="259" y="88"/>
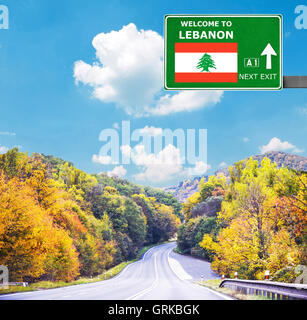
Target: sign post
<point x="227" y="52"/>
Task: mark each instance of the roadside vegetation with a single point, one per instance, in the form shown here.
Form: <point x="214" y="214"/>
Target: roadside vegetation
<point x="214" y="284"/>
<point x="252" y="221"/>
<point x="107" y="274"/>
<point x="58" y="223"/>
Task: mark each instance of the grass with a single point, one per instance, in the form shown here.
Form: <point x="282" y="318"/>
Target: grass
<point x="214" y="285"/>
<point x="42" y="285"/>
<point x="177" y="250"/>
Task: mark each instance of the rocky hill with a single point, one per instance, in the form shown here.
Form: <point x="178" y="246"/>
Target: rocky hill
<point x="187" y="187"/>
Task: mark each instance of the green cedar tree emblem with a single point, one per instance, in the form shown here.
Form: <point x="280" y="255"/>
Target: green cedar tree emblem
<point x="205" y="63"/>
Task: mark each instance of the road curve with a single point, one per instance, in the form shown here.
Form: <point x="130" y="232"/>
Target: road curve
<point x="157" y="276"/>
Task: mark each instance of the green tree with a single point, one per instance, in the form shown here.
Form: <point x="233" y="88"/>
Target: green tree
<point x="205" y="63"/>
<point x="162" y="223"/>
<point x="136" y="223"/>
<point x="214" y="183"/>
<point x="191" y="233"/>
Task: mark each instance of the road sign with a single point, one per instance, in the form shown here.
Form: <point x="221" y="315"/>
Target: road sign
<point x="229" y="52"/>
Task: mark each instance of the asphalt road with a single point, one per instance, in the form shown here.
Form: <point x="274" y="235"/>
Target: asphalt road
<point x="160" y="275"/>
<point x="197" y="268"/>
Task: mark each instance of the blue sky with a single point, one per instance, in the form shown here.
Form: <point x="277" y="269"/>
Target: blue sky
<point x="44" y="110"/>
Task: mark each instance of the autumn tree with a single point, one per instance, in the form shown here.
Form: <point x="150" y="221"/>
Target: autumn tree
<point x="189" y="204"/>
<point x="58" y="222"/>
<point x="30" y="245"/>
<point x="256" y="235"/>
<point x="212" y="187"/>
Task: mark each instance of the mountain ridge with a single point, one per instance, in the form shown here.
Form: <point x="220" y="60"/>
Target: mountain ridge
<point x="189" y="186"/>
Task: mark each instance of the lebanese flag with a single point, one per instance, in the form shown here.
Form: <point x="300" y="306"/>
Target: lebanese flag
<point x="190" y="56"/>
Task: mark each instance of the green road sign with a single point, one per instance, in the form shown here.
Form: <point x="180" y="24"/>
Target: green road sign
<point x="229" y="52"/>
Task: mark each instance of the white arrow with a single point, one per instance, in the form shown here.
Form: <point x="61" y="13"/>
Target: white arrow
<point x="268" y="52"/>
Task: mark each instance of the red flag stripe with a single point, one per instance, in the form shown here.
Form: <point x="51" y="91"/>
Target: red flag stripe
<point x="206" y="77"/>
<point x="206" y="47"/>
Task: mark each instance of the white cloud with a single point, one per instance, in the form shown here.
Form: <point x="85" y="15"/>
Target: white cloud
<point x="6" y="133"/>
<point x="130" y="68"/>
<point x="126" y="150"/>
<point x="297" y="150"/>
<point x="118" y="171"/>
<point x="151" y="131"/>
<point x="129" y="73"/>
<point x="223" y="164"/>
<point x="102" y="159"/>
<point x="246" y="139"/>
<point x="18" y="146"/>
<point x="303" y="110"/>
<point x="199" y="169"/>
<point x="157" y="168"/>
<point x="163" y="166"/>
<point x="185" y="101"/>
<point x="276" y="144"/>
<point x="3" y="149"/>
<point x="169" y="155"/>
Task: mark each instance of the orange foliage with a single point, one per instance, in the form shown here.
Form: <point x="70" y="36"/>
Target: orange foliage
<point x="28" y="237"/>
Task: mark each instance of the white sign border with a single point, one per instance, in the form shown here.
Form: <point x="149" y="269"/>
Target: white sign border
<point x="279" y="16"/>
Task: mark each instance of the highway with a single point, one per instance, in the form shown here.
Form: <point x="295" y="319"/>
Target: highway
<point x="161" y="274"/>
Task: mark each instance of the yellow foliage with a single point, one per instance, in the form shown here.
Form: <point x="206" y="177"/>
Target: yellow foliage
<point x="262" y="221"/>
<point x="208" y="243"/>
<point x="28" y="238"/>
<point x="189" y="204"/>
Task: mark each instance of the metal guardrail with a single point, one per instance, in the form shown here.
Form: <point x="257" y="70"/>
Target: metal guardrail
<point x="269" y="289"/>
<point x="5" y="284"/>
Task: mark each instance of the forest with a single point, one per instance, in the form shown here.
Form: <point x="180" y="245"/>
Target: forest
<point x="59" y="223"/>
<point x="252" y="221"/>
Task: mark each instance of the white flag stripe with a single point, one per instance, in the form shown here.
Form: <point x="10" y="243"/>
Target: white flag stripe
<point x="188" y="61"/>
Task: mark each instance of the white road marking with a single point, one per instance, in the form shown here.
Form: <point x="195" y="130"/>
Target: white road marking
<point x="134" y="263"/>
<point x="177" y="268"/>
<point x="220" y="294"/>
<point x="183" y="275"/>
<point x="153" y="286"/>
